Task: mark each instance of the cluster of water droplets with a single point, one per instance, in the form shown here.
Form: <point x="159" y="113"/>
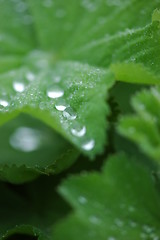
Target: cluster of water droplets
<point x="18" y="86"/>
<point x="67" y="113"/>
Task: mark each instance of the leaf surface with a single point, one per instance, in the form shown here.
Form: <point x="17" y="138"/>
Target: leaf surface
<point x="130" y="211"/>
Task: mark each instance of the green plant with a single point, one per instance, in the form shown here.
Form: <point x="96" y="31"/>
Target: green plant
<point x="70" y="73"/>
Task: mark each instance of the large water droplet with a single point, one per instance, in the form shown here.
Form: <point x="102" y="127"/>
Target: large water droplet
<point x="25" y="139"/>
<point x="55" y="92"/>
<point x="19" y="86"/>
<point x="78" y="131"/>
<point x="88" y="146"/>
<point x="69" y="113"/>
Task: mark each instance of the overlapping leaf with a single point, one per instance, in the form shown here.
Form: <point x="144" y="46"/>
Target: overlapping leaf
<point x="30" y="209"/>
<point x="116" y="204"/>
<point x="143" y="127"/>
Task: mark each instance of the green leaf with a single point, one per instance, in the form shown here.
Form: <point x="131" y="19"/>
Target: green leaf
<point x="30" y="209"/>
<point x="114" y="204"/>
<point x="16" y="29"/>
<point x="143" y="127"/>
<point x="29" y="148"/>
<point x="67" y="96"/>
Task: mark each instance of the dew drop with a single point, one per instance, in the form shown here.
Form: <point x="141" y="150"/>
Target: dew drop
<point x="3" y="103"/>
<point x="78" y="131"/>
<point x="61" y="105"/>
<point x="30" y="76"/>
<point x="118" y="222"/>
<point x="19" y="87"/>
<point x="111" y="238"/>
<point x="69" y="113"/>
<point x="21" y="7"/>
<point x="57" y="79"/>
<point x="82" y="200"/>
<point x="25" y="139"/>
<point x="88" y="146"/>
<point x="55" y="92"/>
<point x="47" y="3"/>
<point x="94" y="220"/>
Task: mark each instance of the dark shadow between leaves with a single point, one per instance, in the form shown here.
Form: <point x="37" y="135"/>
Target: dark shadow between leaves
<point x="21" y="237"/>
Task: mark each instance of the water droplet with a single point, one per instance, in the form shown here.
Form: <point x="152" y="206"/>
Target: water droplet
<point x="147" y="229"/>
<point x="30" y="76"/>
<point x="88" y="146"/>
<point x="21" y="7"/>
<point x="47" y="3"/>
<point x="69" y="113"/>
<point x="119" y="222"/>
<point x="133" y="224"/>
<point x="82" y="200"/>
<point x="55" y="92"/>
<point x="19" y="87"/>
<point x="25" y="139"/>
<point x="57" y="79"/>
<point x="61" y="105"/>
<point x="78" y="131"/>
<point x="94" y="220"/>
<point x="111" y="238"/>
<point x="3" y="103"/>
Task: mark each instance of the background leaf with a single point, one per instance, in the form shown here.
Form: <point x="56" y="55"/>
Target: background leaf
<point x="125" y="205"/>
<point x="143" y="127"/>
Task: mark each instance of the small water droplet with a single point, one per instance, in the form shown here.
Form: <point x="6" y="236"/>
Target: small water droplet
<point x="3" y="103"/>
<point x="55" y="92"/>
<point x="19" y="87"/>
<point x="88" y="146"/>
<point x="57" y="79"/>
<point x="132" y="224"/>
<point x="119" y="222"/>
<point x="61" y="105"/>
<point x="30" y="76"/>
<point x="47" y="3"/>
<point x="94" y="220"/>
<point x="78" y="131"/>
<point x="82" y="200"/>
<point x="21" y="7"/>
<point x="111" y="238"/>
<point x="69" y="113"/>
<point x="25" y="139"/>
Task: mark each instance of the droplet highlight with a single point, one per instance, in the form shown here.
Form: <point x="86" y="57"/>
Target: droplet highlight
<point x="55" y="92"/>
<point x="78" y="131"/>
<point x="69" y="113"/>
<point x="4" y="103"/>
<point x="88" y="146"/>
<point x="61" y="105"/>
<point x="19" y="87"/>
